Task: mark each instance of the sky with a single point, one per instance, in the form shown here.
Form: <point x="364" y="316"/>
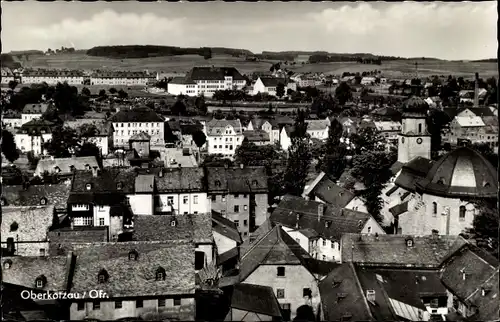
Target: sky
<point x="446" y="30"/>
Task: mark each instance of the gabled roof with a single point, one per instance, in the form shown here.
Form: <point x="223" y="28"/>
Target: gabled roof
<point x="260" y="232"/>
<point x="33" y="223"/>
<point x="331" y="193"/>
<point x="487" y="305"/>
<point x="39" y="108"/>
<point x="225" y="227"/>
<point x="197" y="228"/>
<point x="274" y="248"/>
<point x="249" y="179"/>
<point x="25" y="270"/>
<point x="213" y="73"/>
<point x="477" y="270"/>
<point x="272" y="81"/>
<point x="256" y="136"/>
<point x="399" y="209"/>
<point x="469" y="121"/>
<point x="317" y="125"/>
<point x="105" y="182"/>
<point x="65" y="164"/>
<point x="297" y="213"/>
<point x="142" y="136"/>
<point x="62" y="240"/>
<point x="255" y="298"/>
<point x="412" y="172"/>
<point x="136" y="278"/>
<point x="218" y="127"/>
<point x="145" y="183"/>
<point x="54" y="194"/>
<point x="137" y="115"/>
<point x="181" y="180"/>
<point x="393" y="251"/>
<point x="342" y="296"/>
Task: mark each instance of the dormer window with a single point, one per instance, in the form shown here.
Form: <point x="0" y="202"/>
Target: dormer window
<point x="43" y="201"/>
<point x="103" y="276"/>
<point x="486" y="184"/>
<point x="255" y="183"/>
<point x="14" y="226"/>
<point x="119" y="186"/>
<point x="217" y="183"/>
<point x="40" y="281"/>
<point x="7" y="264"/>
<point x="441" y="181"/>
<point x="409" y="242"/>
<point x="160" y="274"/>
<point x="87" y="167"/>
<point x="88" y="186"/>
<point x="3" y="202"/>
<point x="133" y="255"/>
<point x="173" y="222"/>
<point x="57" y="169"/>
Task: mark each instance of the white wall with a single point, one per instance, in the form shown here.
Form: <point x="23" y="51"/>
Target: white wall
<point x="201" y="204"/>
<point x="123" y="131"/>
<point x="141" y="204"/>
<point x="223" y="243"/>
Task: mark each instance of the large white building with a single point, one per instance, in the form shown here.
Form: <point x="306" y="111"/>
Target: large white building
<point x="121" y="78"/>
<point x="317" y="129"/>
<point x="223" y="136"/>
<point x="206" y="81"/>
<point x="127" y="123"/>
<point x="52" y="77"/>
<point x="7" y="75"/>
<point x="269" y="85"/>
<point x="32" y="136"/>
<point x="33" y="111"/>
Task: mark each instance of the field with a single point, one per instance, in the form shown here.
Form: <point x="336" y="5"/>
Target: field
<point x="182" y="64"/>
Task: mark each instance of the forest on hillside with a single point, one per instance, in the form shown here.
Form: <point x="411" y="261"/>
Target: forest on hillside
<point x="136" y="51"/>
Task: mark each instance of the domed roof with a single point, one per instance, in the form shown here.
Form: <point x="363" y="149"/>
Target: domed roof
<point x="462" y="173"/>
<point x="415" y="104"/>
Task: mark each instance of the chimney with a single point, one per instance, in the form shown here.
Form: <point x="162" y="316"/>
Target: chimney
<point x="484" y="291"/>
<point x="95" y="171"/>
<point x="242" y="165"/>
<point x="476" y="91"/>
<point x="464" y="274"/>
<point x="70" y="268"/>
<point x="435" y="234"/>
<point x="321" y="211"/>
<point x="370" y="296"/>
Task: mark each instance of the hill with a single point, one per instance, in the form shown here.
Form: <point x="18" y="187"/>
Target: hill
<point x="136" y="51"/>
<point x="489" y="60"/>
<point x="8" y="61"/>
<point x="26" y="52"/>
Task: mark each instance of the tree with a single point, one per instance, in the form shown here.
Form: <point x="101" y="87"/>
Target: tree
<point x="280" y="90"/>
<point x="122" y="94"/>
<point x="199" y="139"/>
<point x="200" y="104"/>
<point x="9" y="148"/>
<point x="305" y="313"/>
<point x="437" y="122"/>
<point x="13" y="84"/>
<point x="102" y="93"/>
<point x="485" y="226"/>
<point x="85" y="92"/>
<point x="250" y="154"/>
<point x="343" y="93"/>
<point x="335" y="132"/>
<point x="367" y="139"/>
<point x="486" y="151"/>
<point x="372" y="168"/>
<point x="112" y="90"/>
<point x="179" y="108"/>
<point x="207" y="53"/>
<point x="63" y="144"/>
<point x="299" y="157"/>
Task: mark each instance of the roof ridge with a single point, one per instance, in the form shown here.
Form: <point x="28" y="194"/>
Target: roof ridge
<point x="257" y="242"/>
<point x="487" y="280"/>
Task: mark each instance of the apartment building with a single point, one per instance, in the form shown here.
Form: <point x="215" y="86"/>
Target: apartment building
<point x="7" y="75"/>
<point x="33" y="111"/>
<point x="223" y="136"/>
<point x="268" y="85"/>
<point x="239" y="194"/>
<point x="52" y="77"/>
<point x="126" y="78"/>
<point x="127" y="123"/>
<point x="32" y="136"/>
<point x="206" y="81"/>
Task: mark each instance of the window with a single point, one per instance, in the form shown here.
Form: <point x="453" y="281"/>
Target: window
<point x="434" y="303"/>
<point x="306" y="292"/>
<point x="236" y="208"/>
<point x="280" y="271"/>
<point x="237" y="223"/>
<point x="245" y="222"/>
<point x="160" y="274"/>
<point x="195" y="200"/>
<point x="434" y="208"/>
<point x="462" y="211"/>
<point x="39" y="283"/>
<point x="177" y="301"/>
<point x="245" y="207"/>
<point x="101" y="221"/>
<point x="185" y="200"/>
<point x="236" y="195"/>
<point x="199" y="260"/>
<point x="42" y="251"/>
<point x="333" y="244"/>
<point x="419" y="128"/>
<point x="139" y="303"/>
<point x="161" y="302"/>
<point x="96" y="306"/>
<point x="324" y="242"/>
<point x="118" y="304"/>
<point x="244" y="195"/>
<point x="369" y="230"/>
<point x="80" y="306"/>
<point x="223" y="198"/>
<point x="170" y="201"/>
<point x="214" y="198"/>
<point x="324" y="257"/>
<point x="280" y="293"/>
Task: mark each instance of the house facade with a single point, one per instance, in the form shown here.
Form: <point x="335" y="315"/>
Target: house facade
<point x="127" y="123"/>
<point x="223" y="136"/>
<point x="268" y="85"/>
<point x="33" y="111"/>
<point x="33" y="135"/>
<point x="121" y="78"/>
<point x="52" y="77"/>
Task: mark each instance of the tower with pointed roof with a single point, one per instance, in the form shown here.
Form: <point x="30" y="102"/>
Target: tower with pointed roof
<point x="414" y="139"/>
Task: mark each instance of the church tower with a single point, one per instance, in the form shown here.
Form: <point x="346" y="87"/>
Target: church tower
<point x="414" y="139"/>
